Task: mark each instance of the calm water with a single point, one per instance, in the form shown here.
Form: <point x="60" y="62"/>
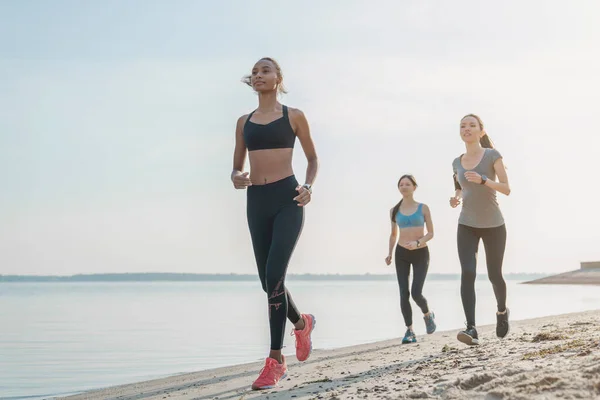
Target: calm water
<point x="58" y="338"/>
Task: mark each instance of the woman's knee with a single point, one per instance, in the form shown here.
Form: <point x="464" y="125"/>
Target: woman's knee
<point x="274" y="283"/>
<point x="417" y="297"/>
<point x="496" y="278"/>
<point x="468" y="275"/>
<point x="405" y="294"/>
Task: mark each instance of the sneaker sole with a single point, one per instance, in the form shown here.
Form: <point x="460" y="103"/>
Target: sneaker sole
<point x="466" y="339"/>
<point x="314" y="323"/>
<point x="508" y="330"/>
<point x="434" y="327"/>
<point x="271" y="386"/>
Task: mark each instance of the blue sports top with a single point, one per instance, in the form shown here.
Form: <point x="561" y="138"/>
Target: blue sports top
<point x="416" y="219"/>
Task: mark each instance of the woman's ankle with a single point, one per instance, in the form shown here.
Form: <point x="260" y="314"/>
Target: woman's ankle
<point x="300" y="325"/>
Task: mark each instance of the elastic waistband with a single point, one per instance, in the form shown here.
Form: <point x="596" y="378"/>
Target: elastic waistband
<point x="272" y="185"/>
<point x="415" y="251"/>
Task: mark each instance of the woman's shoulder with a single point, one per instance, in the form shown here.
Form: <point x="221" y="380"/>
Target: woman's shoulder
<point x="494" y="154"/>
<point x="295" y="112"/>
<point x="243" y="118"/>
<point x="456" y="161"/>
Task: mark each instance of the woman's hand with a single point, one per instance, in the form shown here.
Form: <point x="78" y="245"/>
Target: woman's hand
<point x="388" y="260"/>
<point x="303" y="197"/>
<point x="241" y="180"/>
<point x="411" y="245"/>
<point x="454" y="202"/>
<point x="473" y="177"/>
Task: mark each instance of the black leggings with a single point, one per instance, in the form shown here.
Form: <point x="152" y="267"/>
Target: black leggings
<point x="419" y="259"/>
<point x="275" y="221"/>
<point x="494" y="241"/>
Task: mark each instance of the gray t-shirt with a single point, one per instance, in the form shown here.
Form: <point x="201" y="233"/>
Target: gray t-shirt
<point x="479" y="206"/>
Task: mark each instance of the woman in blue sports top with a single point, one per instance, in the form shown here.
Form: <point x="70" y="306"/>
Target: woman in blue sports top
<point x="410" y="218"/>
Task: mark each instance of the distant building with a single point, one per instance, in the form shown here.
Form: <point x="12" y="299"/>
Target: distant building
<point x="590" y="264"/>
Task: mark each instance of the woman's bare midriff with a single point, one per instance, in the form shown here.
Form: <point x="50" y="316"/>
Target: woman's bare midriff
<point x="411" y="235"/>
<point x="270" y="165"/>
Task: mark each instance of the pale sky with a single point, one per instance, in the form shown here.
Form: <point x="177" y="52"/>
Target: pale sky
<point x="117" y="128"/>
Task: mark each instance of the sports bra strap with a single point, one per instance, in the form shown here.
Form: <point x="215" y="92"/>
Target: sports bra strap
<point x="285" y="112"/>
<point x="248" y="119"/>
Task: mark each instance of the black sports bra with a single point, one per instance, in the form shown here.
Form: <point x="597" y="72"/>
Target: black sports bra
<point x="277" y="134"/>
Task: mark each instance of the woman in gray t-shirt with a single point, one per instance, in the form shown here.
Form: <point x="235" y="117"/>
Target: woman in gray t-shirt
<point x="475" y="174"/>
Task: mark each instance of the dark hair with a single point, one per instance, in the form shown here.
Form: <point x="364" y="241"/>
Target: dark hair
<point x="485" y="140"/>
<point x="280" y="88"/>
<point x="397" y="206"/>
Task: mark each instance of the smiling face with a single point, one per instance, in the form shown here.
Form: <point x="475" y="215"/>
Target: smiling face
<point x="407" y="185"/>
<point x="265" y="77"/>
<point x="470" y="129"/>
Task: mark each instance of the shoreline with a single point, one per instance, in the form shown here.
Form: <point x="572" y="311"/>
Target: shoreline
<point x="548" y="356"/>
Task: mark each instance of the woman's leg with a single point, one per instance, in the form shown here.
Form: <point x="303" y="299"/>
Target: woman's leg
<point x="468" y="243"/>
<point x="287" y="227"/>
<point x="494" y="240"/>
<point x="402" y="273"/>
<point x="420" y="267"/>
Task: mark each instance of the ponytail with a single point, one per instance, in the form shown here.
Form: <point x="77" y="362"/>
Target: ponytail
<point x="486" y="142"/>
<point x="395" y="211"/>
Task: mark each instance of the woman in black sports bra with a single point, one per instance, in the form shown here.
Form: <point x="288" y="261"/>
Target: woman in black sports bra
<point x="275" y="205"/>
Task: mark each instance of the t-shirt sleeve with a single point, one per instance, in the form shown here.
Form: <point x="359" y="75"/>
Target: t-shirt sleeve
<point x="495" y="155"/>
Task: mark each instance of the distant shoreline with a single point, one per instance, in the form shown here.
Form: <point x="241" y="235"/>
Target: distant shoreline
<point x="184" y="277"/>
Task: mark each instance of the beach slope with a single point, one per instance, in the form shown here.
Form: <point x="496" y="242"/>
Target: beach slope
<point x="545" y="358"/>
<point x="583" y="276"/>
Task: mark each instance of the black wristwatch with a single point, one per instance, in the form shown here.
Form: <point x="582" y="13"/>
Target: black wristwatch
<point x="307" y="187"/>
<point x="483" y="179"/>
<point x="418" y="243"/>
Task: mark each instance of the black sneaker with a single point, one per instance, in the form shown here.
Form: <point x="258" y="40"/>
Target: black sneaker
<point x="468" y="336"/>
<point x="502" y="326"/>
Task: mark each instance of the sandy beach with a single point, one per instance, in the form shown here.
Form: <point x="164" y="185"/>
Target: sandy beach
<point x="554" y="357"/>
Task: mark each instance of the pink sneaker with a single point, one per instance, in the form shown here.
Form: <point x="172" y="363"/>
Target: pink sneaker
<point x="303" y="339"/>
<point x="271" y="374"/>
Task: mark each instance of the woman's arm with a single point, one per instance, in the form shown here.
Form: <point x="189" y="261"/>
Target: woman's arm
<point x="455" y="201"/>
<point x="428" y="225"/>
<point x="502" y="185"/>
<point x="238" y="176"/>
<point x="393" y="239"/>
<point x="393" y="235"/>
<point x="303" y="133"/>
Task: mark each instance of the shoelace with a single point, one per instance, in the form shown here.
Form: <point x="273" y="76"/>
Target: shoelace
<point x="299" y="338"/>
<point x="267" y="370"/>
